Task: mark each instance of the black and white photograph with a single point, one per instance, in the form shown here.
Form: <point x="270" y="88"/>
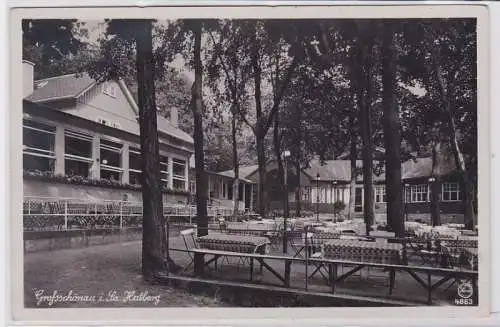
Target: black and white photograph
<point x="250" y="162"/>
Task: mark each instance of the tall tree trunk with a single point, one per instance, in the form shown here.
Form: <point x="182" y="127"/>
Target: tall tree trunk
<point x="353" y="159"/>
<point x="260" y="132"/>
<point x="466" y="184"/>
<point x="298" y="198"/>
<point x="281" y="171"/>
<point x="154" y="245"/>
<point x="262" y="192"/>
<point x="366" y="127"/>
<point x="197" y="108"/>
<point x="392" y="135"/>
<point x="436" y="185"/>
<point x="236" y="166"/>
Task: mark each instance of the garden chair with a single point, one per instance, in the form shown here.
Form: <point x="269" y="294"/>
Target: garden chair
<point x="190" y="243"/>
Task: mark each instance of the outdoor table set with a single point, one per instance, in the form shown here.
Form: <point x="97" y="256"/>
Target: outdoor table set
<point x="462" y="242"/>
<point x="234" y="243"/>
<point x="247" y="228"/>
<point x="362" y="251"/>
<point x="458" y="256"/>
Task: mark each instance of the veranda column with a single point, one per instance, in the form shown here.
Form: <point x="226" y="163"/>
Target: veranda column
<point x="251" y="197"/>
<point x="125" y="157"/>
<point x="96" y="158"/>
<point x="186" y="175"/>
<point x="170" y="170"/>
<point x="59" y="146"/>
<point x="243" y="194"/>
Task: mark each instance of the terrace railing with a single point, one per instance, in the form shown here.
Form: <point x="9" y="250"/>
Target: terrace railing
<point x="44" y="213"/>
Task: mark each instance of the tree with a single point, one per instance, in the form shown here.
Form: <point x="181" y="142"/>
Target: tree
<point x="442" y="59"/>
<point x="127" y="39"/>
<point x="392" y="133"/>
<point x="154" y="237"/>
<point x="261" y="47"/>
<point x="228" y="57"/>
<point x="45" y="40"/>
<point x="197" y="107"/>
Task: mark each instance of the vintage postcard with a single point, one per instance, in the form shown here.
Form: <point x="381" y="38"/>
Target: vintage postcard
<point x="187" y="163"/>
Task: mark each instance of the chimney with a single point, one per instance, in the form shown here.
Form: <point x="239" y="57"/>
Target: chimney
<point x="28" y="77"/>
<point x="174" y="116"/>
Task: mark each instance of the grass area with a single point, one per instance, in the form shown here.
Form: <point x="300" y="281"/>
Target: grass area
<point x="99" y="276"/>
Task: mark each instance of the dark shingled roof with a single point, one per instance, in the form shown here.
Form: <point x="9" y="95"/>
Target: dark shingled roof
<point x="60" y="87"/>
<point x="340" y="170"/>
<point x="422" y="167"/>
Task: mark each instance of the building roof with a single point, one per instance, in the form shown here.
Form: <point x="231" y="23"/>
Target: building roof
<point x="60" y="87"/>
<point x="72" y="86"/>
<point x="340" y="170"/>
<point x="244" y="171"/>
<point x="422" y="167"/>
<point x="165" y="126"/>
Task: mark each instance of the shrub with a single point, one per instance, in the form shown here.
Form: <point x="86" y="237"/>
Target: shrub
<point x="338" y="207"/>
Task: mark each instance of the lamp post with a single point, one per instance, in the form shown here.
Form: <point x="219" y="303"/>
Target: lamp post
<point x="407" y="187"/>
<point x="317" y="197"/>
<point x="286" y="154"/>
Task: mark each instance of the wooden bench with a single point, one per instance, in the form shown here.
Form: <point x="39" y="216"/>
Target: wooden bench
<point x="199" y="271"/>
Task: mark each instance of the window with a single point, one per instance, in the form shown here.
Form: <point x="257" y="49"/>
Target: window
<point x="109" y="89"/>
<point x="338" y="196"/>
<point x="178" y="171"/>
<point x="135" y="166"/>
<point x="419" y="193"/>
<point x="38" y="146"/>
<point x="110" y="153"/>
<point x="77" y="154"/>
<point x="164" y="171"/>
<point x="407" y="194"/>
<point x="380" y="194"/>
<point x="305" y="193"/>
<point x="223" y="190"/>
<point x="192" y="187"/>
<point x="451" y="192"/>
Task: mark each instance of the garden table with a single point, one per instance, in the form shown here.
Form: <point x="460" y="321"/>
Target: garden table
<point x="256" y="229"/>
<point x="461" y="255"/>
<point x="234" y="243"/>
<point x="221" y="243"/>
<point x="362" y="251"/>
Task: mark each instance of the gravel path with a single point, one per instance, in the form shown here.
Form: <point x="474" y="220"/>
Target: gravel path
<point x="98" y="276"/>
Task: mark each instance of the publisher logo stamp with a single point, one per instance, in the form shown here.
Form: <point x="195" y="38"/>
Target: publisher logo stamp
<point x="465" y="292"/>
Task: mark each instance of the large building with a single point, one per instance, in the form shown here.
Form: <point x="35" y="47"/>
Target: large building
<point x="81" y="140"/>
<point x="333" y="184"/>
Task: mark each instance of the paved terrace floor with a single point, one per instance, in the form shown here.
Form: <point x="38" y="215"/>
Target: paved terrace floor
<point x="99" y="270"/>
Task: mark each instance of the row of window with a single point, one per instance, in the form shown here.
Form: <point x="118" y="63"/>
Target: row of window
<point x="421" y="193"/>
<point x="415" y="194"/>
<point x="39" y="154"/>
<point x="325" y="195"/>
